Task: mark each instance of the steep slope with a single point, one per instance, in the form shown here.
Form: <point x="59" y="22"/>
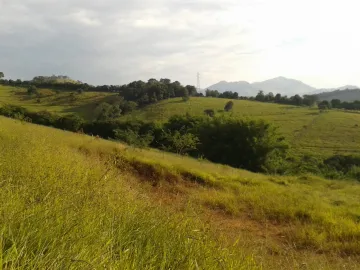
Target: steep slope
<point x="73" y="201"/>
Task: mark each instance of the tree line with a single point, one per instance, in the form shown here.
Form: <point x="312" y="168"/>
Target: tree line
<point x="143" y="93"/>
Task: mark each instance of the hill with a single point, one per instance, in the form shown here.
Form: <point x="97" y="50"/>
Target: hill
<point x="348" y="95"/>
<point x="306" y="129"/>
<point x="60" y="102"/>
<point x="242" y="87"/>
<point x="74" y="201"/>
<point x="280" y="85"/>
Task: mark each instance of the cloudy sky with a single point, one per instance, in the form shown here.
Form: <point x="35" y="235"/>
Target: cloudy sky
<point x="118" y="41"/>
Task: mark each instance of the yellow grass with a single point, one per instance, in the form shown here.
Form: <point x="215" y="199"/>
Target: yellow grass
<point x="65" y="197"/>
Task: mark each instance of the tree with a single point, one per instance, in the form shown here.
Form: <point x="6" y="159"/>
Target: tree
<point x="105" y="111"/>
<point x="228" y="106"/>
<point x="324" y="105"/>
<point x="32" y="90"/>
<point x="277" y="98"/>
<point x="2" y="75"/>
<point x="180" y="143"/>
<point x="185" y="94"/>
<point x="335" y="103"/>
<point x="310" y="100"/>
<point x="260" y="96"/>
<point x="269" y="97"/>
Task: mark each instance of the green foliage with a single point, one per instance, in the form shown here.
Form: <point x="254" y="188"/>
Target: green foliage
<point x="105" y="111"/>
<point x="324" y="105"/>
<point x="32" y="90"/>
<point x="133" y="138"/>
<point x="228" y="106"/>
<point x="2" y="75"/>
<point x="240" y="143"/>
<point x="209" y="112"/>
<point x="180" y="143"/>
<point x="71" y="123"/>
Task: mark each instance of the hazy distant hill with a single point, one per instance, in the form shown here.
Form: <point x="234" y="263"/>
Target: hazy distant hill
<point x="242" y="87"/>
<point x="343" y="95"/>
<point x="284" y="86"/>
<point x="323" y="90"/>
<point x="280" y="85"/>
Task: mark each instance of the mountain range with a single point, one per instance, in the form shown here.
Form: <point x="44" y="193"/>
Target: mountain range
<point x="282" y="85"/>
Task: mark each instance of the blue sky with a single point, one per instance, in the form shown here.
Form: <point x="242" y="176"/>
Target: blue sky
<point x="117" y="41"/>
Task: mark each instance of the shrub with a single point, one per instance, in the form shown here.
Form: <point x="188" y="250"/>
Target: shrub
<point x="228" y="106"/>
<point x="32" y="90"/>
<point x="71" y="123"/>
<point x="209" y="112"/>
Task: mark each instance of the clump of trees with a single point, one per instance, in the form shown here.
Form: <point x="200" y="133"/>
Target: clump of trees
<point x="143" y="93"/>
<point x="336" y="103"/>
<point x="226" y="94"/>
<point x="297" y="100"/>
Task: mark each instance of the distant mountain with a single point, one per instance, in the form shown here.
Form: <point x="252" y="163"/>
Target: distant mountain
<point x="343" y="95"/>
<point x="242" y="87"/>
<point x="324" y="90"/>
<point x="280" y="85"/>
<point x="284" y="86"/>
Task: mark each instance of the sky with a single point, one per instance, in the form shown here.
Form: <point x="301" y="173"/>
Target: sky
<point x="119" y="41"/>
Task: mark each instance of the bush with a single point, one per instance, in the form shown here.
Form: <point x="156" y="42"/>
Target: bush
<point x="32" y="90"/>
<point x="209" y="112"/>
<point x="228" y="106"/>
<point x="71" y="123"/>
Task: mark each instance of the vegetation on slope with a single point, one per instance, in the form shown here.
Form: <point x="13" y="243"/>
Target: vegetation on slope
<point x="60" y="209"/>
<point x="70" y="200"/>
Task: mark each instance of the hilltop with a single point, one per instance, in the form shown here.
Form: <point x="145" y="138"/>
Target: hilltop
<point x="280" y="85"/>
<point x="70" y="200"/>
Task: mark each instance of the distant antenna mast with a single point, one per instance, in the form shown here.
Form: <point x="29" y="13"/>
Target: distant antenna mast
<point x="198" y="82"/>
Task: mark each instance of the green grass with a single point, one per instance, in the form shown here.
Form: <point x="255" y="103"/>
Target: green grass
<point x="74" y="201"/>
<point x="306" y="129"/>
<point x="60" y="210"/>
<point x="61" y="103"/>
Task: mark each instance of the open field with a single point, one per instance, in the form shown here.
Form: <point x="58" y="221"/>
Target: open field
<point x="70" y="200"/>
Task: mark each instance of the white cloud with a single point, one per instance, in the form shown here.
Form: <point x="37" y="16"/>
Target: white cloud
<point x="116" y="41"/>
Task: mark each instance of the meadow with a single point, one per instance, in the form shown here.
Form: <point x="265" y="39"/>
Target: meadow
<point x="74" y="201"/>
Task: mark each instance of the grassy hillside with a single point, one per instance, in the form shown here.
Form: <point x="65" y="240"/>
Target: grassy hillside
<point x="60" y="103"/>
<point x="306" y="129"/>
<point x="74" y="201"/>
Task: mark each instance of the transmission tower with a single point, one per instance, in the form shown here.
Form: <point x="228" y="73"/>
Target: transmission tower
<point x="198" y="82"/>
